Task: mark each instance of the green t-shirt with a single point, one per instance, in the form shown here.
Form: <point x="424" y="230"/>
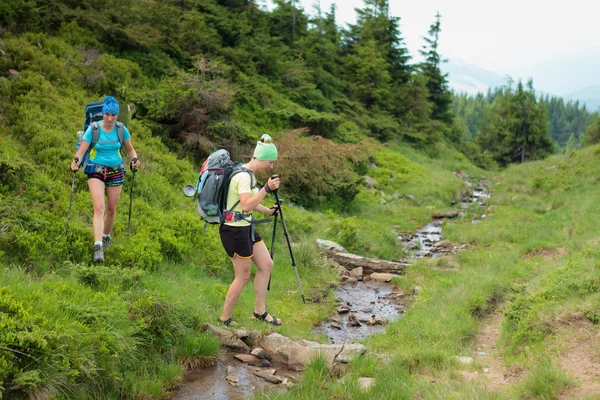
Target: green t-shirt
<point x="240" y="183"/>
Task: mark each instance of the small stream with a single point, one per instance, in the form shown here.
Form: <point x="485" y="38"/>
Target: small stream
<point x="364" y="307"/>
<point x="229" y="379"/>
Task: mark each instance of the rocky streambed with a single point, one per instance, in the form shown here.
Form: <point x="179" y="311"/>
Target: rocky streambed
<point x="366" y="301"/>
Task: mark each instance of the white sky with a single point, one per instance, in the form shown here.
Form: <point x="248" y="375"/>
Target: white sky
<point x="495" y="35"/>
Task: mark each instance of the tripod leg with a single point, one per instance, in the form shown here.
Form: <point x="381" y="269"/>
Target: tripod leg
<point x="287" y="238"/>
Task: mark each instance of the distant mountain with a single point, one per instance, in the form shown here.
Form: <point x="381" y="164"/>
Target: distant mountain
<point x="590" y="96"/>
<point x="564" y="74"/>
<point x="571" y="76"/>
<point x="463" y="77"/>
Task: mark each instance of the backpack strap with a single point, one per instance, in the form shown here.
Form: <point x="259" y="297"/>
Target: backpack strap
<point x="95" y="137"/>
<point x="121" y="136"/>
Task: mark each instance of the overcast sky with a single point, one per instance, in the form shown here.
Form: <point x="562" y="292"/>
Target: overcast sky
<point x="494" y="35"/>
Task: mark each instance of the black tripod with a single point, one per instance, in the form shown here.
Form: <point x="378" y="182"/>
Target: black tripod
<point x="287" y="238"/>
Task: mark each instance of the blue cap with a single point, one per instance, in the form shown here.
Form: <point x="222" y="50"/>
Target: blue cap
<point x="111" y="105"/>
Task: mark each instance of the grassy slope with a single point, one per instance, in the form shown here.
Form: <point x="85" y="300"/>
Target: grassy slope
<point x="535" y="259"/>
<point x="127" y="329"/>
<point x="109" y="331"/>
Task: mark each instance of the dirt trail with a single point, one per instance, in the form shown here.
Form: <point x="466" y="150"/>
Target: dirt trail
<point x="485" y="352"/>
<point x="581" y="360"/>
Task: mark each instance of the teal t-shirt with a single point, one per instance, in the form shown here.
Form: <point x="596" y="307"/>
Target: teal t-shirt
<point x="106" y="151"/>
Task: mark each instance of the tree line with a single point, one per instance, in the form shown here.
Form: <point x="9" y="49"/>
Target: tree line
<point x="213" y="71"/>
<point x="504" y="122"/>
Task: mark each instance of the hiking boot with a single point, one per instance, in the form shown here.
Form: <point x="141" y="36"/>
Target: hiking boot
<point x="105" y="241"/>
<point x="98" y="253"/>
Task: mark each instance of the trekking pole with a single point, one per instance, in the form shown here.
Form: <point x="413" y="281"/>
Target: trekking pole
<point x="134" y="170"/>
<point x="76" y="159"/>
<point x="287" y="238"/>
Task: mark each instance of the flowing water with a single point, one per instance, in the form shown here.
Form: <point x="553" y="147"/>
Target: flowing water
<point x="364" y="307"/>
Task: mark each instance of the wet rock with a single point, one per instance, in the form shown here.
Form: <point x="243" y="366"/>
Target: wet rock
<point x="351" y="280"/>
<point x="286" y="351"/>
<point x="227" y="338"/>
<point x="343" y="309"/>
<point x="260" y="353"/>
<point x="383" y="277"/>
<point x="233" y="376"/>
<point x="352" y="320"/>
<point x="253" y="360"/>
<point x="397" y="295"/>
<point x="377" y="321"/>
<point x="269" y="376"/>
<point x="413" y="246"/>
<point x="356" y="272"/>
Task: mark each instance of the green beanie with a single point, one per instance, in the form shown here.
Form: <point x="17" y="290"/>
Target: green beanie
<point x="265" y="150"/>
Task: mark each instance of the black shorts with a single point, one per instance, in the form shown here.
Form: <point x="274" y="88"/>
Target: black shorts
<point x="237" y="240"/>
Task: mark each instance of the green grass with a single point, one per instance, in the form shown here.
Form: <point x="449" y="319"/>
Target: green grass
<point x="131" y="327"/>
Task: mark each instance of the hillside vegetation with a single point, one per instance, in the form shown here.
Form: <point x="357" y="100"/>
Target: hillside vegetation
<point x="340" y="106"/>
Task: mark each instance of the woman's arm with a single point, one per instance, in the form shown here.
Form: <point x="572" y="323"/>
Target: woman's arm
<point x="83" y="146"/>
<point x="135" y="162"/>
<point x="250" y="203"/>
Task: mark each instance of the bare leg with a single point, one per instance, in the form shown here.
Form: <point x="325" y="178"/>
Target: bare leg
<point x="113" y="194"/>
<point x="264" y="265"/>
<point x="97" y="191"/>
<point x="241" y="268"/>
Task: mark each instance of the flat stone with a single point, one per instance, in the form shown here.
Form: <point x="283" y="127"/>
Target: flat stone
<point x="260" y="353"/>
<point x="253" y="360"/>
<point x="269" y="376"/>
<point x="383" y="277"/>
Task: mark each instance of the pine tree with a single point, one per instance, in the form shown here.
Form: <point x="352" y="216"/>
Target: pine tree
<point x="437" y="83"/>
<point x="515" y="129"/>
<point x="321" y="49"/>
<point x="376" y="34"/>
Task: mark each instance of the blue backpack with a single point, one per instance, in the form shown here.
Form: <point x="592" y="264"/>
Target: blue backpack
<point x="93" y="114"/>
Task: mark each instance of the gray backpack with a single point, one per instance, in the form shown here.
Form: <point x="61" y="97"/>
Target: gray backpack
<point x="213" y="186"/>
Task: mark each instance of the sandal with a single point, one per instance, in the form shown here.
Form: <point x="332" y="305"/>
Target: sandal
<point x="274" y="321"/>
<point x="227" y="322"/>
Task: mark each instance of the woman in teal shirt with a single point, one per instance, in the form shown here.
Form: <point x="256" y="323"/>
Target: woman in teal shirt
<point x="107" y="172"/>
